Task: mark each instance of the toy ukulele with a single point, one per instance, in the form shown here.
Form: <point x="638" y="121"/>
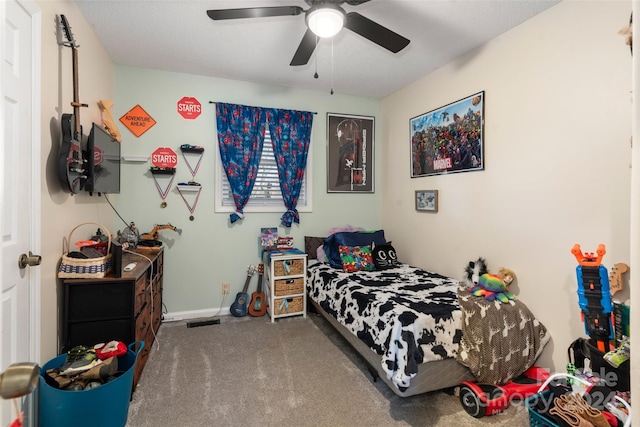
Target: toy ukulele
<point x="240" y="305"/>
<point x="257" y="307"/>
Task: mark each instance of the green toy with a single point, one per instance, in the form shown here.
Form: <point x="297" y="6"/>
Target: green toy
<point x="493" y="287"/>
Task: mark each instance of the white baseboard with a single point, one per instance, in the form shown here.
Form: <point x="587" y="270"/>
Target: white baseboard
<point x="177" y="316"/>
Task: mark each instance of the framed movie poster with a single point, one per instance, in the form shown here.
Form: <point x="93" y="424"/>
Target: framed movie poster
<point x="350" y="145"/>
<point x="449" y="139"/>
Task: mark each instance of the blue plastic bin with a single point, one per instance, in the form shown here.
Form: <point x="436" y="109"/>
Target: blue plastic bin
<point x="104" y="406"/>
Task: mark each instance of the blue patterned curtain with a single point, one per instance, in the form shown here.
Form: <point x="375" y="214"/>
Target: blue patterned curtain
<point x="290" y="135"/>
<point x="241" y="132"/>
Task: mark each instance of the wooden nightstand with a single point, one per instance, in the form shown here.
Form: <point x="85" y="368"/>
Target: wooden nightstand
<point x="286" y="273"/>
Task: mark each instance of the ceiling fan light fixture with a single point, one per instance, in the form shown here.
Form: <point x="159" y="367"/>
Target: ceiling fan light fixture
<point x="326" y="21"/>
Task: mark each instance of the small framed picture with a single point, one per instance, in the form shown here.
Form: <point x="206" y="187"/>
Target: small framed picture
<point x="427" y="200"/>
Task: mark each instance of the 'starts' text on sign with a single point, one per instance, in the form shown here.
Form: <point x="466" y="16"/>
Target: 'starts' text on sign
<point x="189" y="108"/>
<point x="137" y="120"/>
<point x="164" y="157"/>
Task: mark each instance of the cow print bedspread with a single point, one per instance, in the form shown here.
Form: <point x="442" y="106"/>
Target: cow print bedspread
<point x="405" y="314"/>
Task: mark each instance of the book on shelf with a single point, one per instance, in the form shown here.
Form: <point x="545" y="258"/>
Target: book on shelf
<point x="269" y="238"/>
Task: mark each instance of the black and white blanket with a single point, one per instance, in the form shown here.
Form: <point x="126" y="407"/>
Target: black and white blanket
<point x="407" y="315"/>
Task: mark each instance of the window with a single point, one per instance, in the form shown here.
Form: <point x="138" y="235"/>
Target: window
<point x="266" y="195"/>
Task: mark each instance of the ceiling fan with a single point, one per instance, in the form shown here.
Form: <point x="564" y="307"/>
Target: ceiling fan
<point x="324" y="18"/>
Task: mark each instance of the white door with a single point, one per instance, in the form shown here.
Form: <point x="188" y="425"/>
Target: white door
<point x="19" y="187"/>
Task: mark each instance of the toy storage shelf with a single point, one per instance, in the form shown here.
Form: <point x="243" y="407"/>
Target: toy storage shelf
<point x="126" y="308"/>
<point x="286" y="273"/>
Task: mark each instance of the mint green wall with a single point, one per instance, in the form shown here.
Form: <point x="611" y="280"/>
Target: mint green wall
<point x="210" y="249"/>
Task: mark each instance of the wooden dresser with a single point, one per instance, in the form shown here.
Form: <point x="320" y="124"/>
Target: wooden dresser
<point x="127" y="308"/>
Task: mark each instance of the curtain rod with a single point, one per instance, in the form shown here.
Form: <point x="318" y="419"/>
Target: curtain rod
<point x="214" y="102"/>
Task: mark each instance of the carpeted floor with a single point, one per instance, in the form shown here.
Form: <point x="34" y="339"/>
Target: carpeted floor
<point x="296" y="372"/>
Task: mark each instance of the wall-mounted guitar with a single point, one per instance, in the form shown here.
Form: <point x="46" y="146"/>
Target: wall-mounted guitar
<point x="257" y="307"/>
<point x="241" y="304"/>
<point x="71" y="163"/>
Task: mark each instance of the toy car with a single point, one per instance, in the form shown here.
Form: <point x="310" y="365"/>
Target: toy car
<point x="479" y="400"/>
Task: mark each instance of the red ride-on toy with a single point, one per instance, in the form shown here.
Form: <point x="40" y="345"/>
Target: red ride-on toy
<point x="489" y="399"/>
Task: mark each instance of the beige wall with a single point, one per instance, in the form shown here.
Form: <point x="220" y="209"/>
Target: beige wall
<point x="557" y="160"/>
<point x="60" y="210"/>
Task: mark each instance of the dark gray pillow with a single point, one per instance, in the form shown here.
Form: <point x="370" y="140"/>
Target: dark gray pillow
<point x="311" y="245"/>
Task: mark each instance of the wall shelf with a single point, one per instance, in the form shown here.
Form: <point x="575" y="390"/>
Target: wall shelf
<point x="135" y="158"/>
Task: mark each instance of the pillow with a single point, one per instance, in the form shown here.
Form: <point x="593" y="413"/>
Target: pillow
<point x="355" y="238"/>
<point x="356" y="258"/>
<point x="311" y="245"/>
<point x="384" y="256"/>
<point x="320" y="251"/>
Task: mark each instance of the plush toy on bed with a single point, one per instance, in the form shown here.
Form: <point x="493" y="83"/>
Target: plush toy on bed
<point x="490" y="286"/>
<point x="473" y="271"/>
<point x="384" y="256"/>
<point x="507" y="275"/>
<point x="493" y="287"/>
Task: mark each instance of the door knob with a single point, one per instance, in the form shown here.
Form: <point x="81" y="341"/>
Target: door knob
<point x="25" y="260"/>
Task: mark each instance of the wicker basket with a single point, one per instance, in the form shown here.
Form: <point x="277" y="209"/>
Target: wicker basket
<point x="288" y="305"/>
<point x="288" y="267"/>
<point x="81" y="268"/>
<point x="288" y="286"/>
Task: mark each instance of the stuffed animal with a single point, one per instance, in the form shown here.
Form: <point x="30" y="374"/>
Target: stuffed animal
<point x="507" y="275"/>
<point x="493" y="287"/>
<point x="384" y="256"/>
<point x="473" y="271"/>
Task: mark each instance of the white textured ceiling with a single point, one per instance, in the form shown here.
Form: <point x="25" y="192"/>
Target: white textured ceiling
<point x="177" y="35"/>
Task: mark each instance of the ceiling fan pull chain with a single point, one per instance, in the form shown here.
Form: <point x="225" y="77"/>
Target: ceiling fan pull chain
<point x="315" y="76"/>
<point x="331" y="66"/>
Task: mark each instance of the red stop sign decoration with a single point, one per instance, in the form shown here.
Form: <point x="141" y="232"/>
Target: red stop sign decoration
<point x="189" y="108"/>
<point x="164" y="157"/>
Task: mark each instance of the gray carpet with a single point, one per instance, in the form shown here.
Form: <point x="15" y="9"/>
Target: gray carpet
<point x="296" y="372"/>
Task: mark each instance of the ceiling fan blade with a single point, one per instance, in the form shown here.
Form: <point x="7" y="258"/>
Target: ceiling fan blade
<point x="305" y="49"/>
<point x="375" y="32"/>
<point x="355" y="2"/>
<point x="254" y="12"/>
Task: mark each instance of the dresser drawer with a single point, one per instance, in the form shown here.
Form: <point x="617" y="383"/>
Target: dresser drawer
<point x="288" y="305"/>
<point x="142" y="294"/>
<point x="288" y="286"/>
<point x="143" y="323"/>
<point x="288" y="267"/>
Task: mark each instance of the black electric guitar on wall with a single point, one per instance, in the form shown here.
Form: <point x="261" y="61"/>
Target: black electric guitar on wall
<point x="257" y="307"/>
<point x="71" y="163"/>
<point x="241" y="304"/>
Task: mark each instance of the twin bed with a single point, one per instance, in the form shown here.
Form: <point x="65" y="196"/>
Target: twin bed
<point x="409" y="325"/>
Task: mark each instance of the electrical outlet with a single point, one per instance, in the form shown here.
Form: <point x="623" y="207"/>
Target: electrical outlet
<point x="225" y="288"/>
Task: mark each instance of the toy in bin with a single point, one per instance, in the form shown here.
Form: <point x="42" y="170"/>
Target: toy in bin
<point x="559" y="402"/>
<point x="480" y="400"/>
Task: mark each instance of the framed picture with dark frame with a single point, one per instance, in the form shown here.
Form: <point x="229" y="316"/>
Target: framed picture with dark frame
<point x="350" y="147"/>
<point x="449" y="139"/>
<point x="427" y="200"/>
